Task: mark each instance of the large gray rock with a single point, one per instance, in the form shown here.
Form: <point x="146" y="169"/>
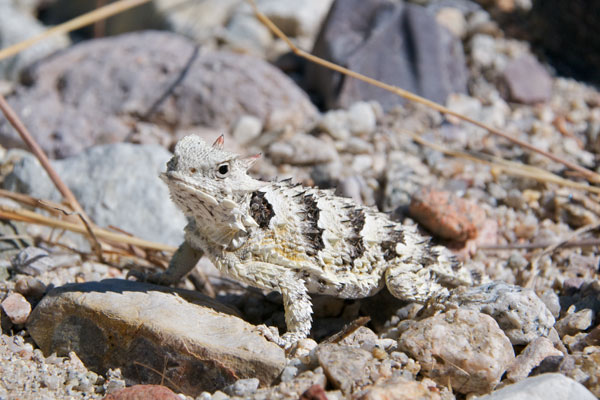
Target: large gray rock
<point x="397" y="43"/>
<point x="116" y="184"/>
<point x="542" y="387"/>
<point x="148" y="86"/>
<point x="16" y="26"/>
<point x="140" y="328"/>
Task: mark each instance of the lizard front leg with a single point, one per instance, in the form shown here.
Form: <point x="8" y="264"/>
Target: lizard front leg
<point x="296" y="301"/>
<point x="183" y="261"/>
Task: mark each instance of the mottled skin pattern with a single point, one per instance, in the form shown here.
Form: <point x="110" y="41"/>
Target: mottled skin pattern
<point x="296" y="240"/>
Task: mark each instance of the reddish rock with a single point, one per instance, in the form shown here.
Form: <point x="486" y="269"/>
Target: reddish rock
<point x="315" y="392"/>
<point x="143" y="392"/>
<point x="446" y="215"/>
<point x="17" y="308"/>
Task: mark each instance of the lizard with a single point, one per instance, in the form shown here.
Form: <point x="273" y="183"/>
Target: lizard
<point x="297" y="240"/>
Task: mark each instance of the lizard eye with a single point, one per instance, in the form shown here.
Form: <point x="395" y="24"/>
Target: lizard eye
<point x="223" y="170"/>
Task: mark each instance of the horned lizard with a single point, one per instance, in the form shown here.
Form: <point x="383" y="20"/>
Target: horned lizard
<point x="296" y="240"/>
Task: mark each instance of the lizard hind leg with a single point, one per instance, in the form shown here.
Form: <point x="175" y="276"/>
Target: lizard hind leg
<point x="413" y="282"/>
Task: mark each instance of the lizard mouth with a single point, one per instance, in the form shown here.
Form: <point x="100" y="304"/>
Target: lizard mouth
<point x="172" y="177"/>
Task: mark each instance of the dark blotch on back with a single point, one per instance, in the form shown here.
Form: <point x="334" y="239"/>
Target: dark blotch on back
<point x="261" y="210"/>
<point x="313" y="233"/>
<point x="389" y="246"/>
<point x="357" y="222"/>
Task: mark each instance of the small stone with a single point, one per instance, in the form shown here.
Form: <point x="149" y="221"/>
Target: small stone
<point x="242" y="387"/>
<point x="551" y="300"/>
<point x="335" y="123"/>
<point x="302" y="149"/>
<point x="446" y="215"/>
<point x="344" y="366"/>
<point x="452" y="19"/>
<point x="31" y="287"/>
<point x="461" y="348"/>
<point x="527" y="81"/>
<point x="361" y="118"/>
<point x="246" y="129"/>
<point x="402" y="389"/>
<point x="244" y="32"/>
<point x="531" y="357"/>
<point x="315" y="392"/>
<point x="575" y="322"/>
<point x="32" y="261"/>
<point x="542" y="387"/>
<point x="519" y="312"/>
<point x="17" y="308"/>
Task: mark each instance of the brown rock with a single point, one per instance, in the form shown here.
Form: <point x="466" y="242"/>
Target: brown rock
<point x="195" y="340"/>
<point x="143" y="392"/>
<point x="315" y="392"/>
<point x="17" y="308"/>
<point x="446" y="215"/>
<point x="527" y="81"/>
<point x="346" y="367"/>
<point x="460" y="348"/>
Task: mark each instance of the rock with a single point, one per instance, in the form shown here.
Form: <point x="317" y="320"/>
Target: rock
<point x="245" y="33"/>
<point x="542" y="387"/>
<point x="402" y="389"/>
<point x="463" y="349"/>
<point x="16" y="26"/>
<point x="32" y="261"/>
<point x="315" y="392"/>
<point x="138" y="392"/>
<point x="109" y="90"/>
<point x="446" y="215"/>
<point x="526" y="81"/>
<point x="243" y="387"/>
<point x="346" y="367"/>
<point x="361" y="118"/>
<point x="302" y="149"/>
<point x="574" y="323"/>
<point x="562" y="29"/>
<point x="404" y="175"/>
<point x="519" y="312"/>
<point x="246" y="129"/>
<point x="31" y="287"/>
<point x="116" y="185"/>
<point x="419" y="55"/>
<point x="454" y="20"/>
<point x="294" y="388"/>
<point x="187" y="336"/>
<point x="16" y="307"/>
<point x="531" y="357"/>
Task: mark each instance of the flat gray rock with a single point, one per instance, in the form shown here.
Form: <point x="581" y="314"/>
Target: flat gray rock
<point x="542" y="387"/>
<point x="147" y="86"/>
<point x="146" y="330"/>
<point x="116" y="184"/>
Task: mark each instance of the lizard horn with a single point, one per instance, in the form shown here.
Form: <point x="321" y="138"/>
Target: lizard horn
<point x="218" y="144"/>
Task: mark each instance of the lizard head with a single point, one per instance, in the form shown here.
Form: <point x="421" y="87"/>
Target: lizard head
<point x="211" y="184"/>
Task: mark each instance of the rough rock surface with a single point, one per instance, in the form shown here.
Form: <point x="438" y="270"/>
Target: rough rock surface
<point x="147" y="84"/>
<point x="402" y="389"/>
<point x="519" y="312"/>
<point x="420" y="55"/>
<point x="16" y="26"/>
<point x="472" y="362"/>
<point x="344" y="366"/>
<point x="116" y="184"/>
<point x="186" y="335"/>
<point x="531" y="357"/>
<point x="542" y="387"/>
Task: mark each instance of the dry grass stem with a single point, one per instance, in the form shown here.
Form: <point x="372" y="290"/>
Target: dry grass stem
<point x="499" y="165"/>
<point x="23" y="215"/>
<point x="550" y="249"/>
<point x="75" y="23"/>
<point x="590" y="175"/>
